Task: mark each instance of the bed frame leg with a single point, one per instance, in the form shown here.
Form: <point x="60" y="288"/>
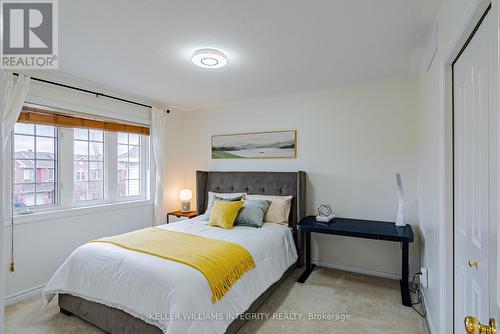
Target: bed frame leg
<point x="65" y="312"/>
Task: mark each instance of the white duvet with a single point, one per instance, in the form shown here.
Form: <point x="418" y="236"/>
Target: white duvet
<point x="173" y="296"/>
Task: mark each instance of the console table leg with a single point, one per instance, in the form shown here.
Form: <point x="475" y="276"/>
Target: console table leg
<point x="404" y="284"/>
<point x="309" y="265"/>
<point x="65" y="312"/>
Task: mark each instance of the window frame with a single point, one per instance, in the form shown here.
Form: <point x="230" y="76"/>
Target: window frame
<point x="143" y="169"/>
<point x="11" y="153"/>
<point x="64" y="177"/>
<point x="87" y="173"/>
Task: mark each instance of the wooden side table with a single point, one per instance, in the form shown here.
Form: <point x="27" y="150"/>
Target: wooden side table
<point x="179" y="213"/>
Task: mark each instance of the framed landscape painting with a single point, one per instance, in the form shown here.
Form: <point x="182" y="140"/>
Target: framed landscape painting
<point x="256" y="145"/>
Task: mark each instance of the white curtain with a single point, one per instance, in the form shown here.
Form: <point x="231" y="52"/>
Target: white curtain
<point x="159" y="143"/>
<point x="13" y="92"/>
<point x="16" y="90"/>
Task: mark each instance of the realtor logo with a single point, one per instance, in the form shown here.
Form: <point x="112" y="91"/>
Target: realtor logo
<point x="29" y="34"/>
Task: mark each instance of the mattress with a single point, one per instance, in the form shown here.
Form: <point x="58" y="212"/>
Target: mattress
<point x="170" y="295"/>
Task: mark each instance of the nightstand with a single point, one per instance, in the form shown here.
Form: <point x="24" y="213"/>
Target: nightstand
<point x="179" y="213"/>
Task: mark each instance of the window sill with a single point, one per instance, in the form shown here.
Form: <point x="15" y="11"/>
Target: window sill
<point x="75" y="211"/>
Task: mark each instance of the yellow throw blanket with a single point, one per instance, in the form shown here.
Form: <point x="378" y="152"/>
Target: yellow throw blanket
<point x="221" y="262"/>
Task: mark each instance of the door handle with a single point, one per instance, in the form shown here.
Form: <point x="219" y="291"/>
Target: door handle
<point x="473" y="264"/>
<point x="473" y="326"/>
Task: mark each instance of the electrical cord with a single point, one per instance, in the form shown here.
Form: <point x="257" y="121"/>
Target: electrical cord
<point x="415" y="288"/>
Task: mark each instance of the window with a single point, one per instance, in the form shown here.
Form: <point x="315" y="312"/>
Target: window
<point x="64" y="166"/>
<point x="129" y="165"/>
<point x="88" y="161"/>
<point x="35" y="163"/>
<point x="80" y="175"/>
<point x="28" y="175"/>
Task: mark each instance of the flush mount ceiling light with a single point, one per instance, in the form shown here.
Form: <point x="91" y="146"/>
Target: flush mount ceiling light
<point x="209" y="58"/>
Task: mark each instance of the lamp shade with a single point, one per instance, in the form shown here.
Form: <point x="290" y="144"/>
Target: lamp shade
<point x="185" y="195"/>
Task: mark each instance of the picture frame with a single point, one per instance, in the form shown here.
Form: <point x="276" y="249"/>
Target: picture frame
<point x="280" y="144"/>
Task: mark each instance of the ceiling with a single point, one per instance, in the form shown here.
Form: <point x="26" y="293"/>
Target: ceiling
<point x="273" y="46"/>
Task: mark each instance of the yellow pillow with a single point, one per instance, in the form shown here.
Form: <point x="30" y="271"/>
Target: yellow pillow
<point x="224" y="213"/>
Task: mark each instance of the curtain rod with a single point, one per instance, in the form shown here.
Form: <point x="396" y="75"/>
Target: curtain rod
<point x="97" y="94"/>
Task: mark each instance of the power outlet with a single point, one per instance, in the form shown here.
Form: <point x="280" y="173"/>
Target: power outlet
<point x="424" y="278"/>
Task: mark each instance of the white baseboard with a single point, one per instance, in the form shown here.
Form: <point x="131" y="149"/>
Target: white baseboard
<point x="395" y="276"/>
<point x="23" y="295"/>
<point x="428" y="317"/>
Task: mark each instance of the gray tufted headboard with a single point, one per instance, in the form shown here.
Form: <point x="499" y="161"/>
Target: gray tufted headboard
<point x="265" y="183"/>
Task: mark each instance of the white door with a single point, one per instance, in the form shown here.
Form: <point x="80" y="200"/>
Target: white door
<point x="473" y="161"/>
<point x="494" y="292"/>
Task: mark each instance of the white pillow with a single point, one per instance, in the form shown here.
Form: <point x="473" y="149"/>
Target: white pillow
<point x="211" y="200"/>
<point x="278" y="211"/>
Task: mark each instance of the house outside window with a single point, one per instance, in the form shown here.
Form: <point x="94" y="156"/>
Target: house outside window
<point x="35" y="153"/>
<point x="88" y="164"/>
<point x="129" y="165"/>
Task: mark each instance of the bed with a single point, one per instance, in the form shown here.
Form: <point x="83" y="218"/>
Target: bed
<point x="123" y="291"/>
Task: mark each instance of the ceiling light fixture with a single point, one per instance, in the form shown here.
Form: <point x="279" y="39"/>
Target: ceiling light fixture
<point x="209" y="58"/>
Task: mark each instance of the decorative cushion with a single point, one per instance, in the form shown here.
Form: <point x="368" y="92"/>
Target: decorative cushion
<point x="224" y="213"/>
<point x="231" y="197"/>
<point x="252" y="213"/>
<point x="278" y="211"/>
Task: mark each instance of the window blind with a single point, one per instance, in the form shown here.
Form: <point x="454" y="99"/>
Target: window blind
<point x="35" y="115"/>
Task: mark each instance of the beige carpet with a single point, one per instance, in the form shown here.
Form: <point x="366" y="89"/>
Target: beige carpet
<point x="372" y="303"/>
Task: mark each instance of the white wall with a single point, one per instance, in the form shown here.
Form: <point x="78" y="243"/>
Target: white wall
<point x="351" y="142"/>
<point x="43" y="245"/>
<point x="452" y="16"/>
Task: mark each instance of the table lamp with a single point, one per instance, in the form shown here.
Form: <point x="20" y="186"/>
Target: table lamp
<point x="185" y="195"/>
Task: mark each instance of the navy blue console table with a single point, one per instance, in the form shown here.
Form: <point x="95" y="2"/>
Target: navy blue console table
<point x="357" y="228"/>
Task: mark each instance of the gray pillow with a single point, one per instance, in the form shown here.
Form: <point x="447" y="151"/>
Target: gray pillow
<point x="252" y="213"/>
<point x="208" y="213"/>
